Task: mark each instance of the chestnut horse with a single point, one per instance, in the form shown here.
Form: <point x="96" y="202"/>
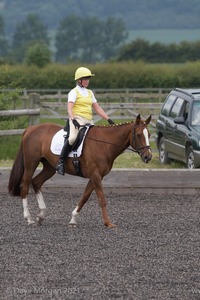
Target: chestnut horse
<point x="102" y="145"/>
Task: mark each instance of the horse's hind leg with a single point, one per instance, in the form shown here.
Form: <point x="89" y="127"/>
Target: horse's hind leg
<point x="27" y="215"/>
<point x="26" y="181"/>
<point x="42" y="207"/>
<point x="88" y="190"/>
<point x="47" y="172"/>
<point x="24" y="193"/>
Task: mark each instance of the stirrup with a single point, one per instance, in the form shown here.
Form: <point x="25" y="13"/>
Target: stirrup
<point x="60" y="169"/>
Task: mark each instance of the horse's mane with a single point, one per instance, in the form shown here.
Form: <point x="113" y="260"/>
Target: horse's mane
<point x="115" y="125"/>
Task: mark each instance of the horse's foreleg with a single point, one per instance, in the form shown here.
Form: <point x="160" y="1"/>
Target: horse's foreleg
<point x="73" y="221"/>
<point x="102" y="201"/>
<point x="42" y="207"/>
<point x="27" y="214"/>
<point x="88" y="190"/>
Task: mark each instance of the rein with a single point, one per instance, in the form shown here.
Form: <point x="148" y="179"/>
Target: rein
<point x="130" y="149"/>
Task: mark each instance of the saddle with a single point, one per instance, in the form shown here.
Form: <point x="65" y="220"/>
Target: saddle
<point x="75" y="146"/>
<point x="59" y="139"/>
<point x="80" y="136"/>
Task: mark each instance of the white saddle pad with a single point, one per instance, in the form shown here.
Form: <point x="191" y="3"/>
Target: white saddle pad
<point x="58" y="142"/>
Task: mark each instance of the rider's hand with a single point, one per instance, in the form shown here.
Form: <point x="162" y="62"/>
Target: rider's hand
<point x="111" y="122"/>
<point x="76" y="123"/>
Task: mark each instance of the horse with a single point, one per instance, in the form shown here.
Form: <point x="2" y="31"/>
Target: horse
<point x="102" y="145"/>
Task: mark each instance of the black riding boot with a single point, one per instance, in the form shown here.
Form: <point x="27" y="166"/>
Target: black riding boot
<point x="64" y="153"/>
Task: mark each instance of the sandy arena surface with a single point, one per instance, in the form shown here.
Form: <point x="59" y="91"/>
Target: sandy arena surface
<point x="152" y="254"/>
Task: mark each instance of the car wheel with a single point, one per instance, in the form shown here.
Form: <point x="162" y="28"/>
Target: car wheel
<point x="163" y="155"/>
<point x="190" y="158"/>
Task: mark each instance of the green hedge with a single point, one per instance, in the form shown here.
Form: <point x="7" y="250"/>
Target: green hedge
<point x="109" y="75"/>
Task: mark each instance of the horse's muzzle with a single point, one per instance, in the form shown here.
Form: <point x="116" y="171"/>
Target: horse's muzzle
<point x="147" y="158"/>
<point x="146" y="155"/>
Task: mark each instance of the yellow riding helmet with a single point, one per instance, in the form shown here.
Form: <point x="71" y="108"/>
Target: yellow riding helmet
<point x="82" y="72"/>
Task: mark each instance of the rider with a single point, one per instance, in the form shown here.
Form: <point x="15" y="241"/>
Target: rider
<point x="80" y="103"/>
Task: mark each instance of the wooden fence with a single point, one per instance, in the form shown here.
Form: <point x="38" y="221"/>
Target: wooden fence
<point x="33" y="112"/>
<point x="127" y="105"/>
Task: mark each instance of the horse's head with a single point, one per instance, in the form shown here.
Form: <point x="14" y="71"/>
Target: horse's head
<point x="140" y="138"/>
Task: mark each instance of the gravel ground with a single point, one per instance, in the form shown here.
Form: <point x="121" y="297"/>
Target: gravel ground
<point x="152" y="254"/>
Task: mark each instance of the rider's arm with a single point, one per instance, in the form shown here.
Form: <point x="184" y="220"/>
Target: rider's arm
<point x="71" y="100"/>
<point x="100" y="111"/>
<point x="70" y="112"/>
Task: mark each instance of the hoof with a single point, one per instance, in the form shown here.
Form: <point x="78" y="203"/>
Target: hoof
<point x="111" y="225"/>
<point x="40" y="220"/>
<point x="72" y="225"/>
<point x="31" y="222"/>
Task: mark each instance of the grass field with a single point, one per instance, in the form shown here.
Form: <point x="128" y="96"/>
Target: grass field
<point x="132" y="160"/>
<point x="166" y="36"/>
<point x="128" y="160"/>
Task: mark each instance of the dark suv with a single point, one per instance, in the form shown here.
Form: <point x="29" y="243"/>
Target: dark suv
<point x="178" y="128"/>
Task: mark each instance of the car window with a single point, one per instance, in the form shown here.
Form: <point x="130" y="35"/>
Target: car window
<point x="196" y="113"/>
<point x="185" y="110"/>
<point x="176" y="109"/>
<point x="168" y="104"/>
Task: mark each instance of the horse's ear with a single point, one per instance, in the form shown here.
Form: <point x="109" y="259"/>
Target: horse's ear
<point x="138" y="118"/>
<point x="148" y="120"/>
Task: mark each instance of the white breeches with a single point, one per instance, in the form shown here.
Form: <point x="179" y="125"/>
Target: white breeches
<point x="74" y="131"/>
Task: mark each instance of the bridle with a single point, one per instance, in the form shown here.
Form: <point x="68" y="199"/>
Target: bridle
<point x="136" y="150"/>
<point x="139" y="148"/>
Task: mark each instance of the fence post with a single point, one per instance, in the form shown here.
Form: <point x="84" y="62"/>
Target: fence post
<point x="34" y="99"/>
<point x="127" y="95"/>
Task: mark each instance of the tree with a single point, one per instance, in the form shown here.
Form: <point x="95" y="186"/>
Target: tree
<point x="38" y="55"/>
<point x="88" y="40"/>
<point x="189" y="51"/>
<point x="91" y="40"/>
<point x="114" y="34"/>
<point x="160" y="53"/>
<point x="135" y="50"/>
<point x="28" y="32"/>
<point x="67" y="41"/>
<point x="3" y="41"/>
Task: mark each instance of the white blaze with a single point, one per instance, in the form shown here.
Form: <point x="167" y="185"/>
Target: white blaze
<point x="145" y="132"/>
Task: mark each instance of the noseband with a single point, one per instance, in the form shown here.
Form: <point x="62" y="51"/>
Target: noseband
<point x="139" y="148"/>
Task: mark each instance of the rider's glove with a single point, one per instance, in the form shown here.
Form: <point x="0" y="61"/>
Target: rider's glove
<point x="111" y="122"/>
<point x="76" y="123"/>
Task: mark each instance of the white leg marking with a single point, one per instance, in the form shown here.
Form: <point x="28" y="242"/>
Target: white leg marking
<point x="41" y="205"/>
<point x="40" y="200"/>
<point x="74" y="216"/>
<point x="27" y="214"/>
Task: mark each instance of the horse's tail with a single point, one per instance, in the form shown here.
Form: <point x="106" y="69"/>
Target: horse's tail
<point x="16" y="174"/>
